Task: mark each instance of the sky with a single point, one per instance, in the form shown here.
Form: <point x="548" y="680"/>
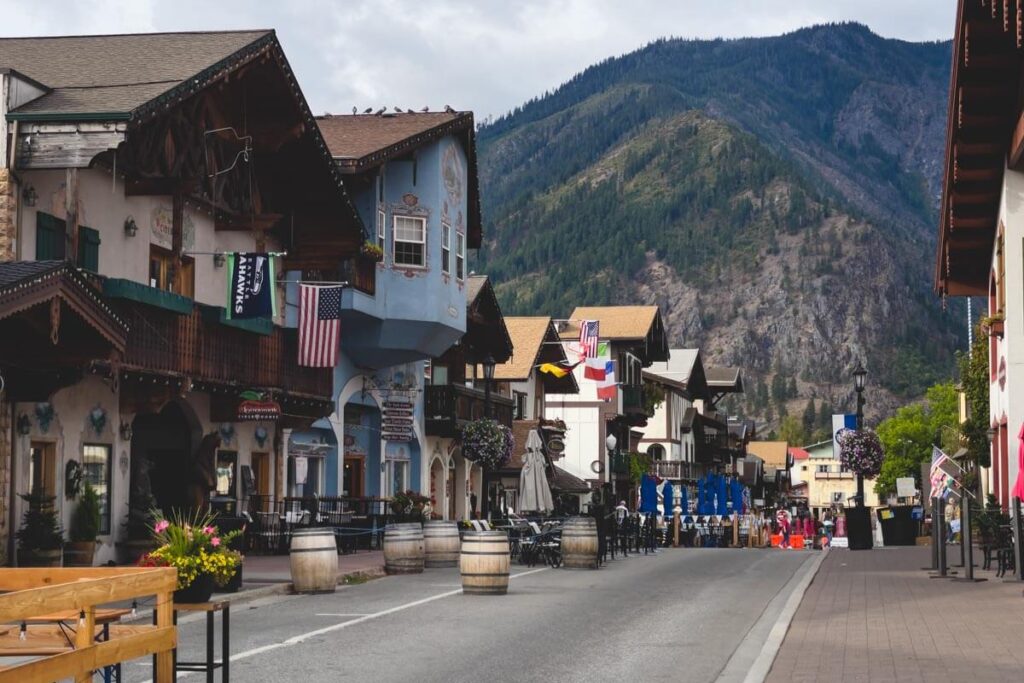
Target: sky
<point x="487" y="56"/>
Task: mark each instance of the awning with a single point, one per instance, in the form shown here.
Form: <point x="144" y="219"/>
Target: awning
<point x="118" y="288"/>
<point x="564" y="482"/>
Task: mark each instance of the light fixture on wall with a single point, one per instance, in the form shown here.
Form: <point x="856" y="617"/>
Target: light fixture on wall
<point x="29" y="195"/>
<point x="24" y="424"/>
<point x="130" y="227"/>
<point x="126" y="431"/>
<point x="218" y="260"/>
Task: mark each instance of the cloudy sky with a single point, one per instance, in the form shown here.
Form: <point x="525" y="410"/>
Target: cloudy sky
<point x="483" y="55"/>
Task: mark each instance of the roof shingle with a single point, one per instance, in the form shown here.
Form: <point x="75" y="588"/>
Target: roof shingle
<point x="357" y="136"/>
<point x="617" y="322"/>
<point x="527" y="338"/>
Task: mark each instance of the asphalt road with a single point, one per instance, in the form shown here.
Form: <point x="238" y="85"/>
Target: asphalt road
<point x="679" y="615"/>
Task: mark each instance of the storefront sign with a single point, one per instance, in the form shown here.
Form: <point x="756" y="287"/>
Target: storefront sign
<point x="255" y="407"/>
<point x="555" y="445"/>
<point x="905" y="487"/>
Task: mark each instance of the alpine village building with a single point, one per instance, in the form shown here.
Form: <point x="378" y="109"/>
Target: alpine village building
<point x="128" y="165"/>
<point x="981" y="221"/>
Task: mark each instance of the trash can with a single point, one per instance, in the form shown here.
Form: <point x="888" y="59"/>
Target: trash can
<point x="898" y="525"/>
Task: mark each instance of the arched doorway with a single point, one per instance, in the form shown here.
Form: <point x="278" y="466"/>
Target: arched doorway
<point x="162" y="448"/>
<point x="439" y="501"/>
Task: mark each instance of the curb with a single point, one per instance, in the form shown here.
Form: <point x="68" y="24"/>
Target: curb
<point x="762" y="666"/>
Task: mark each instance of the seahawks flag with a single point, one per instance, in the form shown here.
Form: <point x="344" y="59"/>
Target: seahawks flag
<point x="251" y="291"/>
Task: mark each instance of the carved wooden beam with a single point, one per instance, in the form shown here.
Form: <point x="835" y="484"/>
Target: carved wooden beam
<point x="71" y="210"/>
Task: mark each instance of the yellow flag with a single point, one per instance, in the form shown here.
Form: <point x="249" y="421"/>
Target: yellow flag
<point x="552" y="369"/>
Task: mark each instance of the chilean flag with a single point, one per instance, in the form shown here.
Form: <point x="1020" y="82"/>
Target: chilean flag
<point x="595" y="368"/>
<point x="606" y="387"/>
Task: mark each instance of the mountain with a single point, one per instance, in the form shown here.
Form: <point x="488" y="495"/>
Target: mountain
<point x="776" y="196"/>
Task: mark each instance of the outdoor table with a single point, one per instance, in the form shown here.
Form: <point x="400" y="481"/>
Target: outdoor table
<point x="67" y="622"/>
<point x="209" y="666"/>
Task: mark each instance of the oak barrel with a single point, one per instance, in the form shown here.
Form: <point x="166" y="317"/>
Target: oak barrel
<point x="440" y="544"/>
<point x="314" y="561"/>
<point x="403" y="548"/>
<point x="484" y="563"/>
<point x="579" y="543"/>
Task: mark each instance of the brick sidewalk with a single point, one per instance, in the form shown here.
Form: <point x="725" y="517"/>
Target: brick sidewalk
<point x="874" y="616"/>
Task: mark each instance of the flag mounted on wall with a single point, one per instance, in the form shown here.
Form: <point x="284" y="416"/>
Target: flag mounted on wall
<point x="556" y="369"/>
<point x="319" y="325"/>
<point x="595" y="368"/>
<point x="251" y="289"/>
<point x="606" y="388"/>
<point x="589" y="330"/>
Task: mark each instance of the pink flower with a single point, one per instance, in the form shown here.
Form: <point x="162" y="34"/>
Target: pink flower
<point x="209" y="530"/>
<point x="215" y="541"/>
<point x="161" y="526"/>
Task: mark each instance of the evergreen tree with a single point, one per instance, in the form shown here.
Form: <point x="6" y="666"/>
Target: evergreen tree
<point x="792" y="387"/>
<point x="810" y="419"/>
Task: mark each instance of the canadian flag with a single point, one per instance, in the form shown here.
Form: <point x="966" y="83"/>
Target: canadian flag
<point x="606" y="387"/>
<point x="595" y="368"/>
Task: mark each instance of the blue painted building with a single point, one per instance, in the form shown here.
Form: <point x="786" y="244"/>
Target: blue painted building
<point x="413" y="181"/>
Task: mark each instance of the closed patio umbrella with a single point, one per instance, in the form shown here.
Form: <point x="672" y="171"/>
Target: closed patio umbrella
<point x="648" y="494"/>
<point x="737" y="496"/>
<point x="534" y="491"/>
<point x="700" y="497"/>
<point x="723" y="503"/>
<point x="666" y="494"/>
<point x="684" y="501"/>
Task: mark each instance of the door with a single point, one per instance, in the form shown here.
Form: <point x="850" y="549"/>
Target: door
<point x="449" y="490"/>
<point x="261" y="473"/>
<point x="42" y="468"/>
<point x="353" y="479"/>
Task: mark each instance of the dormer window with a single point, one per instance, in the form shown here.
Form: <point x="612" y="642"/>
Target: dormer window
<point x="410" y="235"/>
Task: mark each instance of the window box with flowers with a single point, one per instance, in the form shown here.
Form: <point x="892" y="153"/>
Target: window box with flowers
<point x="194" y="546"/>
<point x="992" y="325"/>
<point x="371" y="252"/>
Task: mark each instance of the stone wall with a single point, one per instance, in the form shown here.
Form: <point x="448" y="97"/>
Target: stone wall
<point x="7" y="215"/>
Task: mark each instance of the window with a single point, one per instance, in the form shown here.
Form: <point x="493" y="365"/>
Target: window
<point x="460" y="256"/>
<point x="410" y="241"/>
<point x="398" y="476"/>
<point x="381" y="217"/>
<point x="520" y="399"/>
<point x="51" y="238"/>
<point x="96" y="471"/>
<point x="822" y="468"/>
<point x="169" y="273"/>
<point x="438" y="374"/>
<point x="446" y="248"/>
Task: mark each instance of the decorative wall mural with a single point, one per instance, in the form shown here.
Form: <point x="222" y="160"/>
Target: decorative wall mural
<point x="161" y="224"/>
<point x="453" y="172"/>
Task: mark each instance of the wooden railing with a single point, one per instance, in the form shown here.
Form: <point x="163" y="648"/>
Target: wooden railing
<point x="833" y="475"/>
<point x="675" y="469"/>
<point x="34" y="595"/>
<point x="207" y="350"/>
<point x="449" y="406"/>
<point x="361" y="273"/>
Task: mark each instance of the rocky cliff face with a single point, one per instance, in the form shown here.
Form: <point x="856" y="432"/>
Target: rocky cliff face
<point x="775" y="196"/>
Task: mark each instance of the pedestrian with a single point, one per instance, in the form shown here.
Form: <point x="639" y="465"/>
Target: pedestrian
<point x="828" y="524"/>
<point x="621" y="511"/>
<point x="783" y="519"/>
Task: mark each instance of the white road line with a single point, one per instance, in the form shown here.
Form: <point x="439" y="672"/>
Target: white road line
<point x="295" y="640"/>
<point x="334" y="614"/>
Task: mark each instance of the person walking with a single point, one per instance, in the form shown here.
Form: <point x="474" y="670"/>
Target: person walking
<point x="782" y="517"/>
<point x="828" y="524"/>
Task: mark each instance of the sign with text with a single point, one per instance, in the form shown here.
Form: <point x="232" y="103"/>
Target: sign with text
<point x="905" y="487"/>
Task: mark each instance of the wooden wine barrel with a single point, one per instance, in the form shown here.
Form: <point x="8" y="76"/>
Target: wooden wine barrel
<point x="440" y="544"/>
<point x="579" y="543"/>
<point x="484" y="563"/>
<point x="403" y="548"/>
<point x="314" y="561"/>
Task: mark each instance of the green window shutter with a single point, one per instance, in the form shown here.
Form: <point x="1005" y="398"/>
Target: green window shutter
<point x="50" y="238"/>
<point x="88" y="249"/>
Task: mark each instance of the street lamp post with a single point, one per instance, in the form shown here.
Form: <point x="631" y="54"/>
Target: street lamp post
<point x="859" y="374"/>
<point x="488" y="376"/>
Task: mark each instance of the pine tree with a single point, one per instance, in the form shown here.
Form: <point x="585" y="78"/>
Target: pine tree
<point x="810" y="419"/>
<point x="792" y="387"/>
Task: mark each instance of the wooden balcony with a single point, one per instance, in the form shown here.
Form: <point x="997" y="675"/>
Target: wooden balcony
<point x="833" y="475"/>
<point x="361" y="273"/>
<point x="676" y="469"/>
<point x="449" y="407"/>
<point x="204" y="349"/>
<point x="633" y="401"/>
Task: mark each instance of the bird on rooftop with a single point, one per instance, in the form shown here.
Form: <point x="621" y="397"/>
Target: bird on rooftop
<point x="368" y="110"/>
<point x="448" y="109"/>
<point x="425" y="109"/>
<point x="409" y="111"/>
<point x="380" y="111"/>
<point x="355" y="110"/>
<point x="399" y="110"/>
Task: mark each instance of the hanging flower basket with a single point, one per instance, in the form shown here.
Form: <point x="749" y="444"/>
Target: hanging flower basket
<point x="488" y="443"/>
<point x="371" y="252"/>
<point x="860" y="451"/>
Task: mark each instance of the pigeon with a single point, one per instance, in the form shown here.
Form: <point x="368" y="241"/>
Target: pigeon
<point x="368" y="110"/>
<point x="354" y="110"/>
<point x="399" y="110"/>
<point x="409" y="111"/>
<point x="448" y="109"/>
<point x="380" y="111"/>
<point x="425" y="109"/>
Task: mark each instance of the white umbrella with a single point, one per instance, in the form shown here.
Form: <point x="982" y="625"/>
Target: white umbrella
<point x="534" y="492"/>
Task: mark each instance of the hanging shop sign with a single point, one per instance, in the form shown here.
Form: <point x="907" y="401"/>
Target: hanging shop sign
<point x="255" y="406"/>
<point x="555" y="445"/>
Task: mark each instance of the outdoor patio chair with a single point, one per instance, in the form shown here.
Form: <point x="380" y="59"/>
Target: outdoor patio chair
<point x="267" y="535"/>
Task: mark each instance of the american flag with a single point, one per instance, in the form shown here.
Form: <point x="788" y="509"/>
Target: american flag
<point x="319" y="327"/>
<point x="588" y="339"/>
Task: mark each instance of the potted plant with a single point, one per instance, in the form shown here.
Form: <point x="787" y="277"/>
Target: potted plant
<point x="408" y="506"/>
<point x="860" y="452"/>
<point x="488" y="443"/>
<point x="992" y="325"/>
<point x="197" y="549"/>
<point x="371" y="252"/>
<point x="40" y="537"/>
<point x="85" y="528"/>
